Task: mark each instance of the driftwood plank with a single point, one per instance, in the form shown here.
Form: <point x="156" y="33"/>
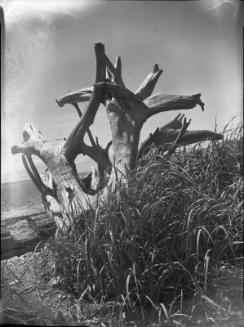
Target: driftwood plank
<point x="22" y="234"/>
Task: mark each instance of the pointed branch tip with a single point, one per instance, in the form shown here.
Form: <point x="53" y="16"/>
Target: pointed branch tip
<point x="155" y="68"/>
<point x="99" y="45"/>
<point x="14" y="149"/>
<point x="199" y="101"/>
<point x="108" y="146"/>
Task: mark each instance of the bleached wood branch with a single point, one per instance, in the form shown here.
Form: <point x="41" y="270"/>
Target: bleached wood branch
<point x="34" y="143"/>
<point x="148" y="85"/>
<point x="75" y="144"/>
<point x="81" y="95"/>
<point x="167" y="138"/>
<point x="180" y="136"/>
<point x="115" y="71"/>
<point x="176" y="123"/>
<point x="34" y="175"/>
<point x="165" y="102"/>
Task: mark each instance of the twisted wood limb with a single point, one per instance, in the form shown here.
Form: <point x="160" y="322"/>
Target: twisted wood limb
<point x="115" y="71"/>
<point x="176" y="123"/>
<point x="88" y="130"/>
<point x="81" y="95"/>
<point x="62" y="173"/>
<point x="180" y="136"/>
<point x="168" y="138"/>
<point x="96" y="149"/>
<point x="48" y="194"/>
<point x="34" y="142"/>
<point x="148" y="85"/>
<point x="74" y="144"/>
<point x="191" y="137"/>
<point x="34" y="175"/>
<point x="165" y="102"/>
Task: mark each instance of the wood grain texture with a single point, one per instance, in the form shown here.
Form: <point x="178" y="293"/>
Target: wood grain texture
<point x="22" y="234"/>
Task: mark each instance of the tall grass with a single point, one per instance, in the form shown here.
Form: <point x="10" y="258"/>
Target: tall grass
<point x="165" y="235"/>
<point x="163" y="239"/>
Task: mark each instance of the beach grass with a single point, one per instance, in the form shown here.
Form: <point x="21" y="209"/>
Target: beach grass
<point x="142" y="256"/>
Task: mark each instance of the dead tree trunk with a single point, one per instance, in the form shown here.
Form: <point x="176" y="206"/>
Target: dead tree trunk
<point x="127" y="111"/>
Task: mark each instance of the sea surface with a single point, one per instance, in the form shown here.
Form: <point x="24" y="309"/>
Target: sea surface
<point x="20" y="198"/>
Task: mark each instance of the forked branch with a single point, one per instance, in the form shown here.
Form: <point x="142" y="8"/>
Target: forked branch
<point x="180" y="136"/>
<point x="75" y="142"/>
<point x="176" y="123"/>
<point x="88" y="130"/>
<point x="115" y="71"/>
<point x="174" y="135"/>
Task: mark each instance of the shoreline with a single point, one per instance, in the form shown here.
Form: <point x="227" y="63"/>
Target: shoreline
<point x="22" y="211"/>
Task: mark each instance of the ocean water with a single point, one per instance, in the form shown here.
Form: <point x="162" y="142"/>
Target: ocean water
<point x="15" y="194"/>
<point x="19" y="198"/>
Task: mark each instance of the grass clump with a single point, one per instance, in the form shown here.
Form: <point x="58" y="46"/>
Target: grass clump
<point x="163" y="239"/>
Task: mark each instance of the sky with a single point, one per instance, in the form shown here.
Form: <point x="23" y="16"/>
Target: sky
<point x="48" y="51"/>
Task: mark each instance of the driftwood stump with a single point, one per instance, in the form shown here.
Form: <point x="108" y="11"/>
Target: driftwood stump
<point x="127" y="111"/>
